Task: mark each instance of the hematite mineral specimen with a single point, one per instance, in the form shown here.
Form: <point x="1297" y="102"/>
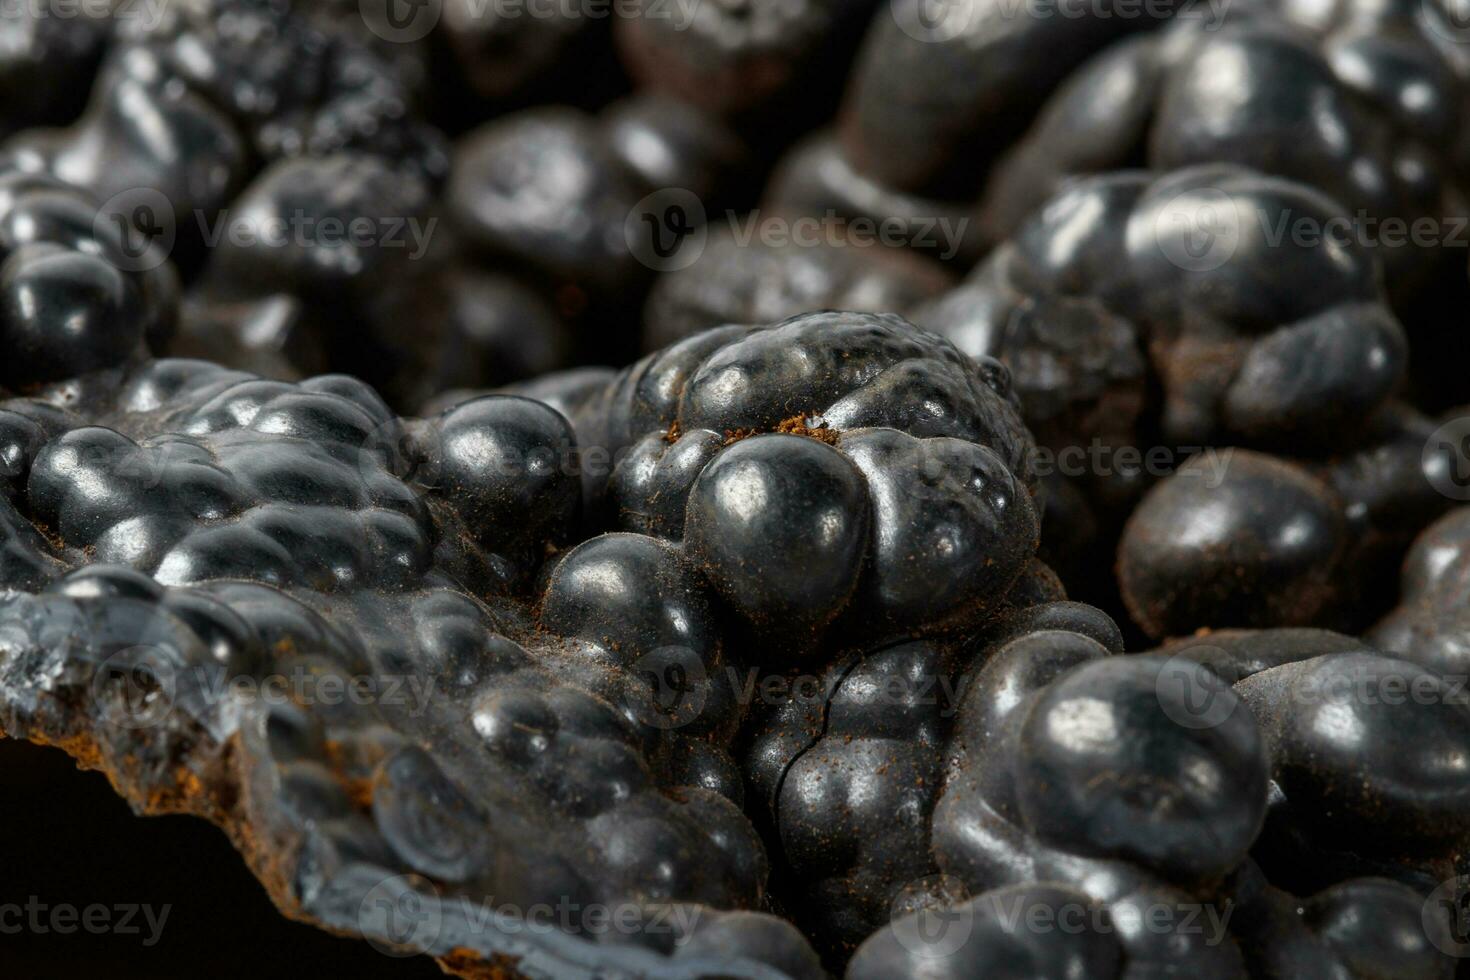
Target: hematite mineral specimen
<point x="469" y="714"/>
<point x="751" y="659"/>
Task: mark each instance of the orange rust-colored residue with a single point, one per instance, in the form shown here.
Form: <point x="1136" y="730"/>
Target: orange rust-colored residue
<point x="733" y="436"/>
<point x="81" y="748"/>
<point x="359" y="788"/>
<point x="188" y="795"/>
<point x="796" y="426"/>
<point x="57" y="543"/>
<point x="462" y="962"/>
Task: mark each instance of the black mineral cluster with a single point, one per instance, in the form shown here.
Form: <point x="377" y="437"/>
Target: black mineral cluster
<point x="866" y="489"/>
